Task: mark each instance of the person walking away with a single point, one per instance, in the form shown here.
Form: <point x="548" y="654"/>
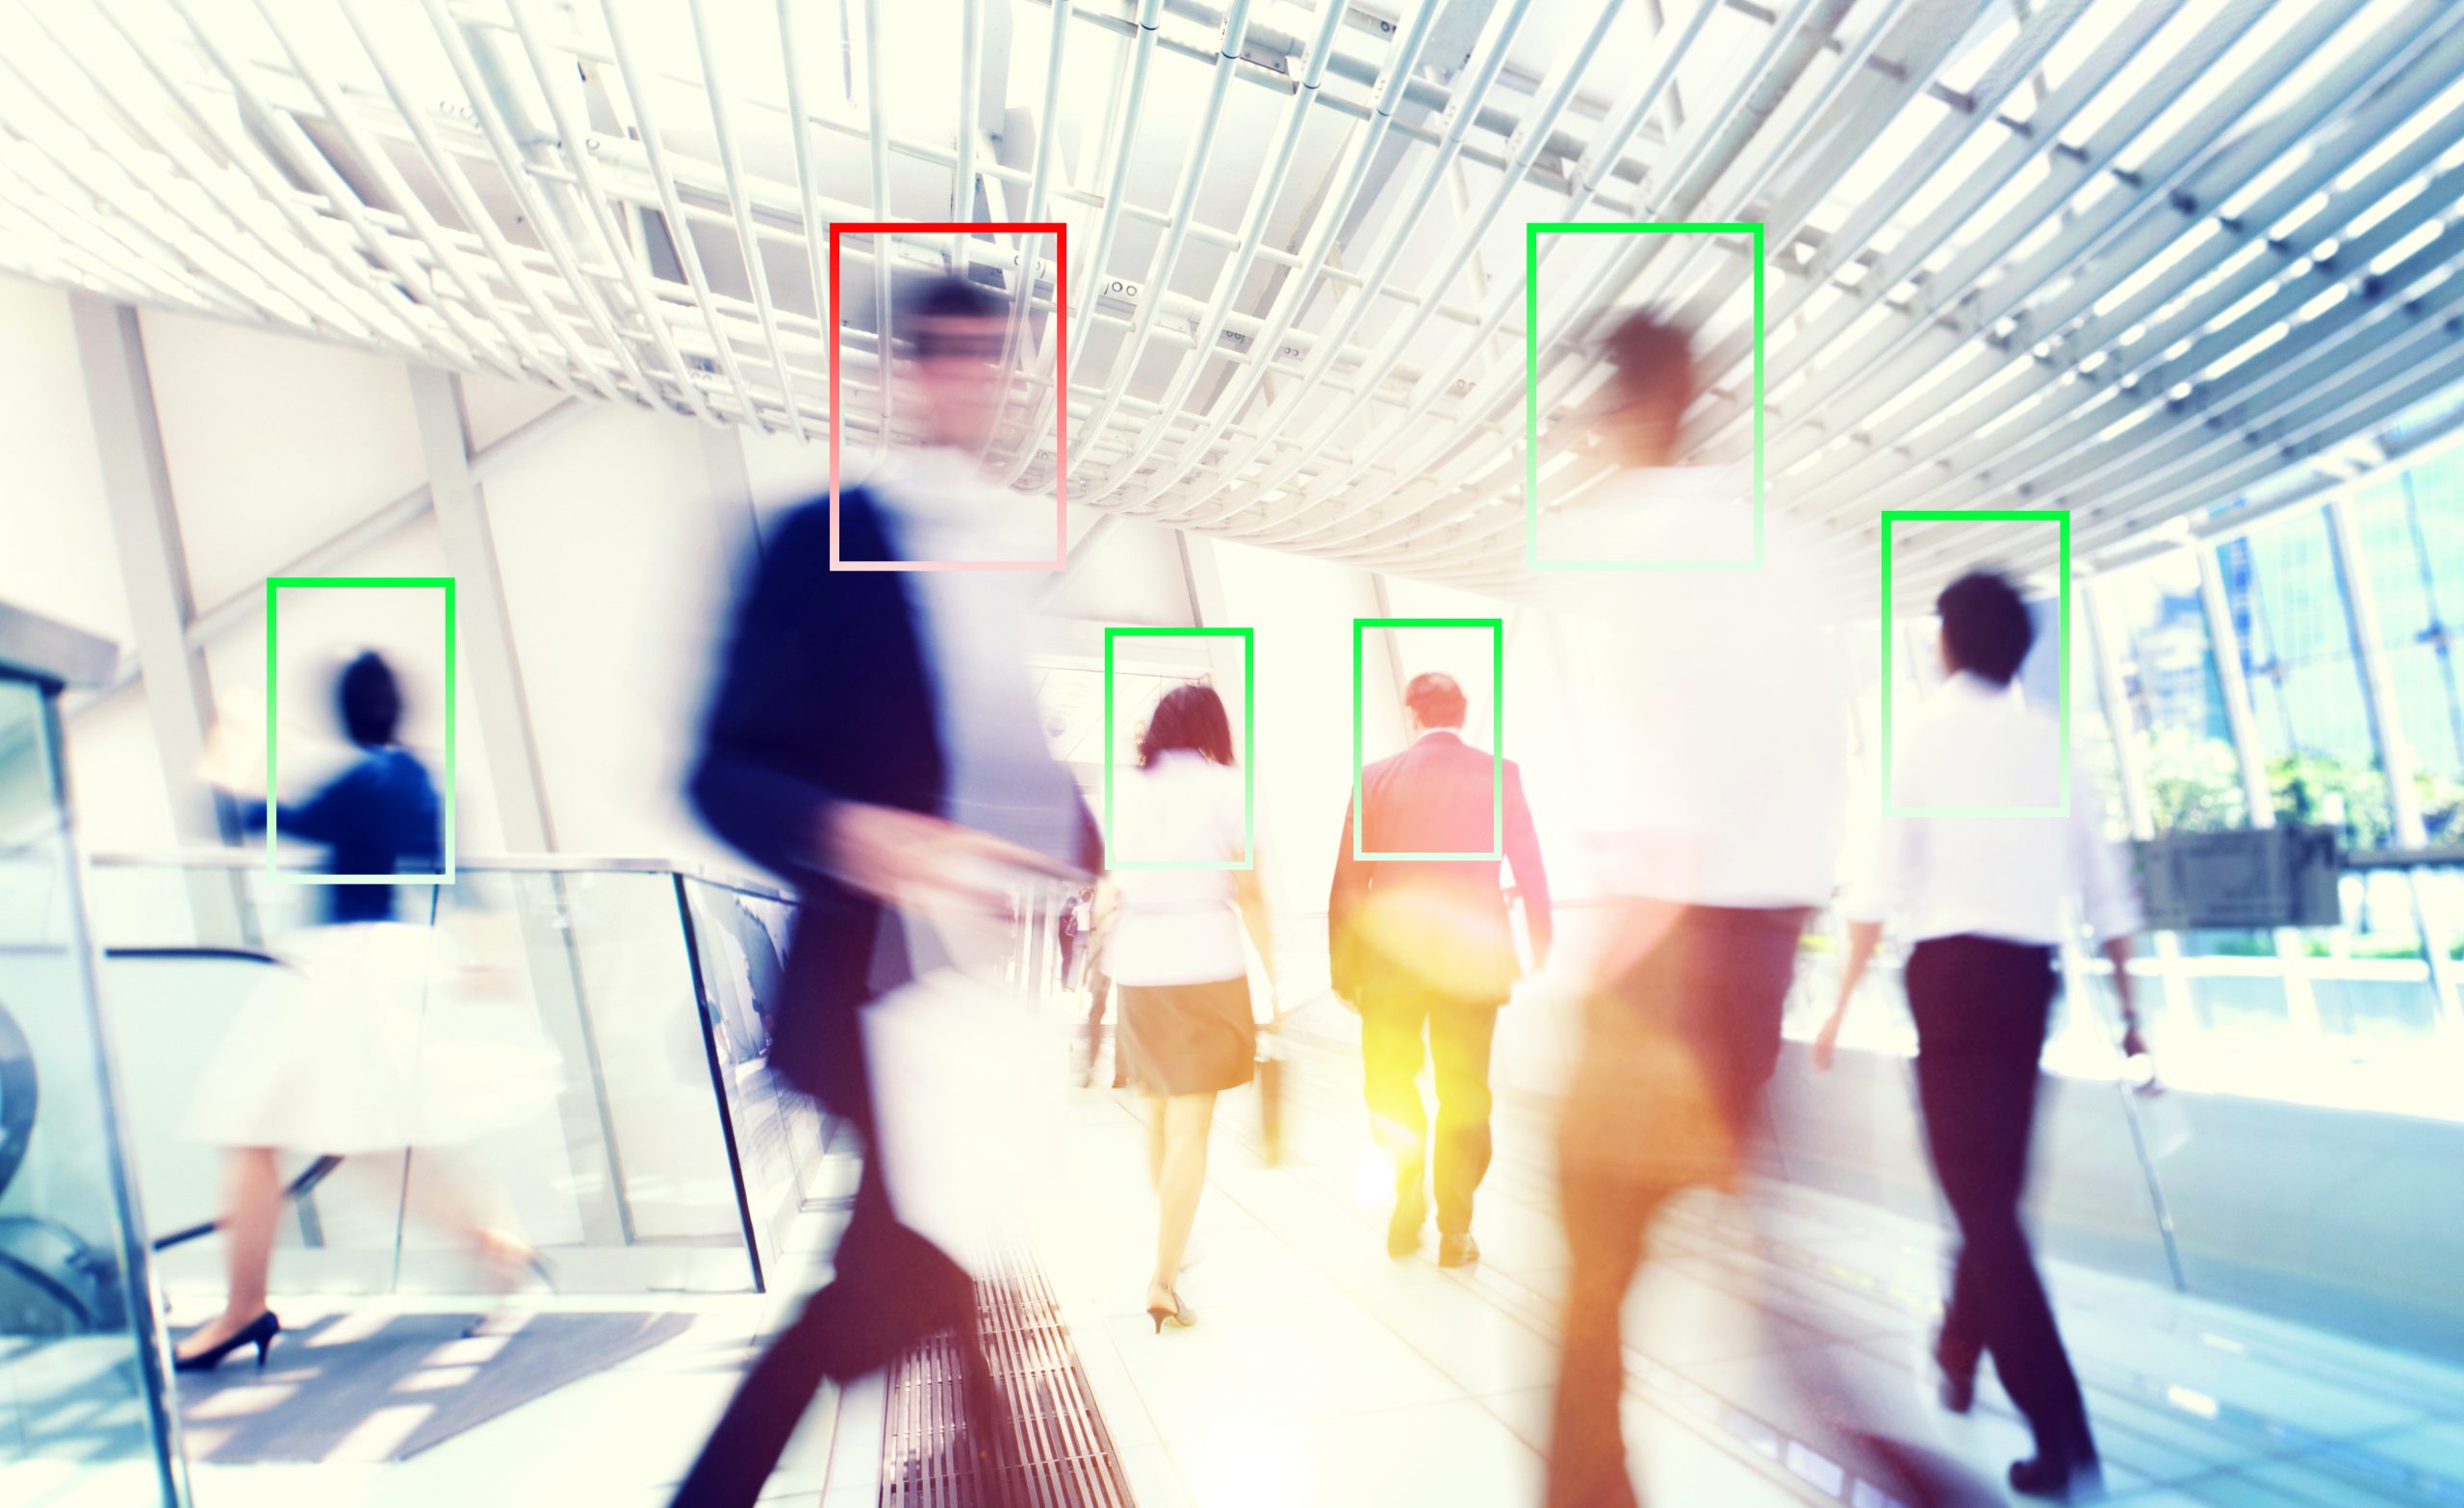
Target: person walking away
<point x="1172" y="944"/>
<point x="1981" y="896"/>
<point x="1715" y="718"/>
<point x="331" y="1056"/>
<point x="1422" y="947"/>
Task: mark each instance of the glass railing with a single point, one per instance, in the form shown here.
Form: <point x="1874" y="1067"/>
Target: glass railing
<point x="83" y="1370"/>
<point x="608" y="1016"/>
<point x="2315" y="1172"/>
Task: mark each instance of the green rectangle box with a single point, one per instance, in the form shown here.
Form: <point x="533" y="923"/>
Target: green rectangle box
<point x="2060" y="518"/>
<point x="274" y="586"/>
<point x="1249" y="749"/>
<point x="1532" y="232"/>
<point x="1360" y="627"/>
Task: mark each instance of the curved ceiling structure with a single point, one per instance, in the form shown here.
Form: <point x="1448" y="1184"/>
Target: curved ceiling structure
<point x="2142" y="260"/>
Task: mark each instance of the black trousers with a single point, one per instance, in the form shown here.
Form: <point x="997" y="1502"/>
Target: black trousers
<point x="889" y="1290"/>
<point x="1393" y="1022"/>
<point x="1981" y="1007"/>
<point x="1665" y="1098"/>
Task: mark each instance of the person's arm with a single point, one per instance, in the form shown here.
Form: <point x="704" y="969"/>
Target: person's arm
<point x="1531" y="875"/>
<point x="1863" y="939"/>
<point x="1343" y="906"/>
<point x="320" y="819"/>
<point x="1251" y="895"/>
<point x="1877" y="891"/>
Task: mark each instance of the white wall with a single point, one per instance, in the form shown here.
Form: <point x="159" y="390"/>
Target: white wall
<point x="608" y="541"/>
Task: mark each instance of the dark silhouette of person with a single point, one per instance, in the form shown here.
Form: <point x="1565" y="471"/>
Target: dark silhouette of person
<point x="1424" y="947"/>
<point x="1980" y="894"/>
<point x="874" y="740"/>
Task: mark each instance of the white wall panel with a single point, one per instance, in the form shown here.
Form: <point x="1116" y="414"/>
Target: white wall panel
<point x="58" y="557"/>
<point x="615" y="581"/>
<point x="274" y="443"/>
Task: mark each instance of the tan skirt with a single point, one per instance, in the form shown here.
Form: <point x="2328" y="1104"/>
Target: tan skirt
<point x="1188" y="1038"/>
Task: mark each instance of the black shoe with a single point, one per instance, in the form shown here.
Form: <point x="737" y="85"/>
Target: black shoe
<point x="1958" y="1376"/>
<point x="2058" y="1475"/>
<point x="1458" y="1250"/>
<point x="258" y="1332"/>
<point x="1403" y="1230"/>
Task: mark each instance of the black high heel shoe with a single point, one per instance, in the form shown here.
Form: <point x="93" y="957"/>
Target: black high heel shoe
<point x="1180" y="1314"/>
<point x="258" y="1332"/>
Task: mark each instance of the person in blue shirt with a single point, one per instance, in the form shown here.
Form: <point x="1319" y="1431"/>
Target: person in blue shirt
<point x="332" y="1055"/>
<point x="379" y="817"/>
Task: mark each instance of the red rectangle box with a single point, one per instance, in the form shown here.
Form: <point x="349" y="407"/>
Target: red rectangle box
<point x="1059" y="232"/>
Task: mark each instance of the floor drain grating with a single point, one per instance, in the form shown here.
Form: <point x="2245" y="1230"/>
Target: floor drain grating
<point x="1060" y="1454"/>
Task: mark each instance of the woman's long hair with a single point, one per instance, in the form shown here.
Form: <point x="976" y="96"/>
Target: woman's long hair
<point x="1189" y="717"/>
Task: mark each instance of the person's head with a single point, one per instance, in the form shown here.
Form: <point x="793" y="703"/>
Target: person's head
<point x="1652" y="385"/>
<point x="955" y="328"/>
<point x="1986" y="628"/>
<point x="1432" y="701"/>
<point x="1189" y="717"/>
<point x="369" y="700"/>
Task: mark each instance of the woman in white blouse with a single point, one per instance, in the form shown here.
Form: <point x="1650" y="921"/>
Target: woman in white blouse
<point x="1171" y="942"/>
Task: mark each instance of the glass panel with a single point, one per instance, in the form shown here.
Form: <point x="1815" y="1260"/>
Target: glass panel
<point x="82" y="1364"/>
<point x="563" y="1084"/>
<point x="740" y="943"/>
<point x="2412" y="533"/>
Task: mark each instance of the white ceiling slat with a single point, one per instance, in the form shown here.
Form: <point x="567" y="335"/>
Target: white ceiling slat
<point x="2005" y="265"/>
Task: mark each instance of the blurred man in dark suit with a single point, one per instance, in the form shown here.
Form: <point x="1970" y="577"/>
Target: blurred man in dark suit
<point x="873" y="739"/>
<point x="1423" y="946"/>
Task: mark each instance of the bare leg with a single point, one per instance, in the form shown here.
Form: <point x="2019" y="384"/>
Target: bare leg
<point x="444" y="1193"/>
<point x="1186" y="1120"/>
<point x="251" y="1204"/>
<point x="1158" y="1114"/>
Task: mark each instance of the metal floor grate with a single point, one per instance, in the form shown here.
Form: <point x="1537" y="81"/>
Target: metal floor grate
<point x="1060" y="1455"/>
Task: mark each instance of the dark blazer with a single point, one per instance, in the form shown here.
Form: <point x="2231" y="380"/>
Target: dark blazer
<point x="1434" y="926"/>
<point x="823" y="697"/>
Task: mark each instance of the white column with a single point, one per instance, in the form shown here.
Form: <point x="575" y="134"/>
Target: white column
<point x="153" y="562"/>
<point x="2302" y="1004"/>
<point x="2395" y="751"/>
<point x="2121" y="728"/>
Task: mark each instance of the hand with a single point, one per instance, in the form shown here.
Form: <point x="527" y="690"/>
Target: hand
<point x="2133" y="1043"/>
<point x="1826" y="1042"/>
<point x="228" y="765"/>
<point x="906" y="856"/>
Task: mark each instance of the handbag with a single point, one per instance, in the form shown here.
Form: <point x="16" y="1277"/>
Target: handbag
<point x="968" y="1115"/>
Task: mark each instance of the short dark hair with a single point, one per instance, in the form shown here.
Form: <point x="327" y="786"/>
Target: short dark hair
<point x="927" y="309"/>
<point x="1436" y="697"/>
<point x="1986" y="625"/>
<point x="1191" y="717"/>
<point x="371" y="699"/>
<point x="1654" y="364"/>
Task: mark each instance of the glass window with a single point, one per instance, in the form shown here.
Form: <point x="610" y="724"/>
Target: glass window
<point x="2306" y="703"/>
<point x="2412" y="537"/>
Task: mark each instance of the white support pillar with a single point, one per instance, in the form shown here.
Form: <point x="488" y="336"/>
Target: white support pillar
<point x="153" y="561"/>
<point x="485" y="629"/>
<point x="2300" y="1002"/>
<point x="2395" y="751"/>
<point x="486" y="634"/>
<point x="2121" y="728"/>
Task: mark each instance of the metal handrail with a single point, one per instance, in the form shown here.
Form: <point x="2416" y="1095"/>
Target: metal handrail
<point x="239" y="859"/>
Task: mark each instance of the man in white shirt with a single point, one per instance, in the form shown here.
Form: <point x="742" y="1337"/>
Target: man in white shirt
<point x="1717" y="762"/>
<point x="1981" y="893"/>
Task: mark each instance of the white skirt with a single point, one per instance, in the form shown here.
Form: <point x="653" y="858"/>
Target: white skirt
<point x="371" y="1041"/>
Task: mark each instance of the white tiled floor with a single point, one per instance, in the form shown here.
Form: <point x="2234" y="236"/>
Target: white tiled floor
<point x="1323" y="1371"/>
<point x="1348" y="1377"/>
